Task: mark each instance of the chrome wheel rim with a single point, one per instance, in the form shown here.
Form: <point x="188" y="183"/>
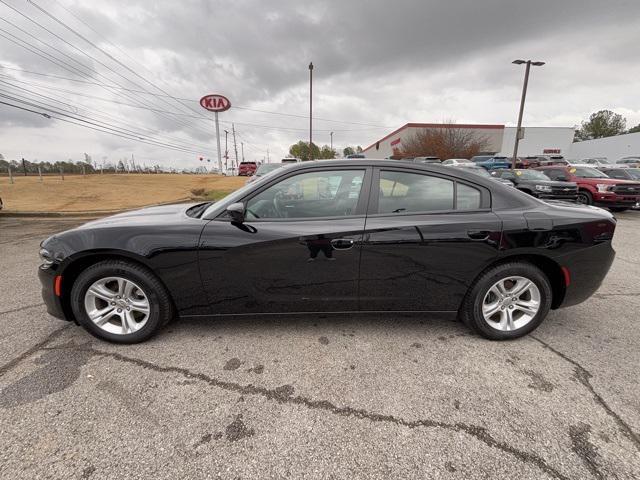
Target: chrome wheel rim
<point x="117" y="305"/>
<point x="511" y="303"/>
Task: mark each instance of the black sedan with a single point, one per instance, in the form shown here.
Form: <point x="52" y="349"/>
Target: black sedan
<point x="537" y="184"/>
<point x="333" y="236"/>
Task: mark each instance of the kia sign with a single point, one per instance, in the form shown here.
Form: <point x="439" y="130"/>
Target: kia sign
<point x="215" y="103"/>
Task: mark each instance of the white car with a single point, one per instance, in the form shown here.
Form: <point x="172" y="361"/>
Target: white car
<point x="597" y="162"/>
<point x="456" y="161"/>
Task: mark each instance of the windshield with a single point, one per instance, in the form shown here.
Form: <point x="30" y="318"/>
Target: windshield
<point x="531" y="175"/>
<point x="634" y="173"/>
<point x="266" y="168"/>
<point x="587" y="172"/>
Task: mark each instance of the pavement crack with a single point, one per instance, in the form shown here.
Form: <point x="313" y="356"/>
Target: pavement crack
<point x="285" y="395"/>
<point x="584" y="377"/>
<point x="38" y="346"/>
<point x="25" y="307"/>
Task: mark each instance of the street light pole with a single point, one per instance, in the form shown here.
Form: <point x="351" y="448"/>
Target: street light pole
<point x="310" y="110"/>
<point x="331" y="135"/>
<point x="226" y="151"/>
<point x="522" y="99"/>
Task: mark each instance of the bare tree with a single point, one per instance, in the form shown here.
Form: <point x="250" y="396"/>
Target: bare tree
<point x="443" y="142"/>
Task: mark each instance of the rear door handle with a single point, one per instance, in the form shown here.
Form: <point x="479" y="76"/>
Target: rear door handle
<point x="478" y="234"/>
<point x="342" y="243"/>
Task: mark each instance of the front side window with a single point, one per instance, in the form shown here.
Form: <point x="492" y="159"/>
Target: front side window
<point x="309" y="195"/>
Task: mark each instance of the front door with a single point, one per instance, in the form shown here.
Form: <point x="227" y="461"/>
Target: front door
<point x="298" y="249"/>
<point x="426" y="238"/>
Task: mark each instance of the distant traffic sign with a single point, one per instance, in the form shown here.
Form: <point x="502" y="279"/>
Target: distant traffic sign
<point x="215" y="103"/>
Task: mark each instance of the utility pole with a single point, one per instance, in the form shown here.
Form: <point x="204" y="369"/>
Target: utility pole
<point x="10" y="174"/>
<point x="242" y="148"/>
<point x="331" y="135"/>
<point x="310" y="110"/>
<point x="268" y="161"/>
<point x="235" y="145"/>
<point x="24" y="167"/>
<point x="226" y="151"/>
<point x="519" y="133"/>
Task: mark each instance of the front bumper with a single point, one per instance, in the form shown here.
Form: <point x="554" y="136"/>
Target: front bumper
<point x="614" y="200"/>
<point x="552" y="196"/>
<point x="51" y="300"/>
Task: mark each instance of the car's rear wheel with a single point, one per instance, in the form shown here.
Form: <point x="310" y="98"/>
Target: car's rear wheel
<point x="120" y="301"/>
<point x="507" y="301"/>
<point x="584" y="197"/>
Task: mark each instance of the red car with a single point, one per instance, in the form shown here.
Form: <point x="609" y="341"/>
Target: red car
<point x="596" y="188"/>
<point x="246" y="169"/>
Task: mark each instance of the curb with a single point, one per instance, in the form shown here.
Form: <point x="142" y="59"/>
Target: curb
<point x="87" y="213"/>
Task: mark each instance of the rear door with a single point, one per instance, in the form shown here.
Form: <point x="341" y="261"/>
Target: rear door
<point x="298" y="249"/>
<point x="427" y="236"/>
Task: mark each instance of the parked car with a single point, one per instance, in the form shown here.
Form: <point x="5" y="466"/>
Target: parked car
<point x="457" y="161"/>
<point x="622" y="173"/>
<point x="322" y="237"/>
<point x="546" y="160"/>
<point x="483" y="172"/>
<point x="597" y="162"/>
<point x="528" y="162"/>
<point x="355" y="155"/>
<point x="491" y="162"/>
<point x="630" y="161"/>
<point x="426" y="160"/>
<point x="263" y="170"/>
<point x="290" y="160"/>
<point x="537" y="184"/>
<point x="596" y="188"/>
<point x="246" y="169"/>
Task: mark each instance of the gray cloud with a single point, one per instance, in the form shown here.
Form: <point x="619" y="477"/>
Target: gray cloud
<point x="376" y="62"/>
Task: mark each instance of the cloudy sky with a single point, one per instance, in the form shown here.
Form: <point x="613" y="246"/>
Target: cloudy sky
<point x="137" y="68"/>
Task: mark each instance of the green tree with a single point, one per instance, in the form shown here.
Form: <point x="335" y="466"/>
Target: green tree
<point x="603" y="123"/>
<point x="301" y="150"/>
<point x="327" y="152"/>
<point x="348" y="151"/>
<point x="635" y="129"/>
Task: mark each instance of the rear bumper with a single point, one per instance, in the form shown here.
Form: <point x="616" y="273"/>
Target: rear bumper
<point x="52" y="302"/>
<point x="587" y="269"/>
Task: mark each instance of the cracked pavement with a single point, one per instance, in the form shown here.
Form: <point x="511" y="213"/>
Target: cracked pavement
<point x="390" y="396"/>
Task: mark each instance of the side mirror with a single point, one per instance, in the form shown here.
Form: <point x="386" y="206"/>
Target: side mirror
<point x="236" y="212"/>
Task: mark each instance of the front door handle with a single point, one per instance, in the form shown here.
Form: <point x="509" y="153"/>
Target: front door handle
<point x="478" y="235"/>
<point x="342" y="243"/>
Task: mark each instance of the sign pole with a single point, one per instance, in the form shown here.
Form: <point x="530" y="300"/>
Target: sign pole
<point x="218" y="139"/>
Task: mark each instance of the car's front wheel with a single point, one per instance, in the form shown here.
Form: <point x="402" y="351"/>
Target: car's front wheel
<point x="507" y="301"/>
<point x="120" y="301"/>
<point x="584" y="197"/>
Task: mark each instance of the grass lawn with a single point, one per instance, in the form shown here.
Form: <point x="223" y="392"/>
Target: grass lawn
<point x="109" y="191"/>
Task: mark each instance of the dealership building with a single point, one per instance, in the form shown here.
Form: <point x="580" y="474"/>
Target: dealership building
<point x="500" y="139"/>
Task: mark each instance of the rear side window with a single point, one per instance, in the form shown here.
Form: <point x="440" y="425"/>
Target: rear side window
<point x="404" y="192"/>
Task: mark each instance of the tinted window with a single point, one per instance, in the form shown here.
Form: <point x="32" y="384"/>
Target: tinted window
<point x="309" y="195"/>
<point x="468" y="198"/>
<point x="586" y="172"/>
<point x="402" y="192"/>
<point x="616" y="174"/>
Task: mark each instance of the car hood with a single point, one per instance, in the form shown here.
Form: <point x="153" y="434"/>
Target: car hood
<point x="162" y="214"/>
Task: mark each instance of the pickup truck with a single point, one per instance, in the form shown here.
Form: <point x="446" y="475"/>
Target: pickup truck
<point x="491" y="162"/>
<point x="596" y="188"/>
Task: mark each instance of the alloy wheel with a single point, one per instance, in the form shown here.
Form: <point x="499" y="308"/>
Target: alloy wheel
<point x="117" y="305"/>
<point x="511" y="303"/>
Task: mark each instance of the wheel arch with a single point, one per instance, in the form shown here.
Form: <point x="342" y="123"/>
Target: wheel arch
<point x="79" y="263"/>
<point x="551" y="269"/>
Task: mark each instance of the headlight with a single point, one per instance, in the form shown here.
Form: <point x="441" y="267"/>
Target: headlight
<point x="543" y="188"/>
<point x="602" y="187"/>
<point x="46" y="257"/>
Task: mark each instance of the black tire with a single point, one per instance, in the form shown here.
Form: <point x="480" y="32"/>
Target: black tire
<point x="161" y="309"/>
<point x="618" y="209"/>
<point x="471" y="309"/>
<point x="584" y="197"/>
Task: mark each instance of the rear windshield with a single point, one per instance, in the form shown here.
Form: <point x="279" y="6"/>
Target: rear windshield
<point x="586" y="172"/>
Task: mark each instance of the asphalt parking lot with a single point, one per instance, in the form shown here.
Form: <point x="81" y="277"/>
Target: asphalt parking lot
<point x="332" y="397"/>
